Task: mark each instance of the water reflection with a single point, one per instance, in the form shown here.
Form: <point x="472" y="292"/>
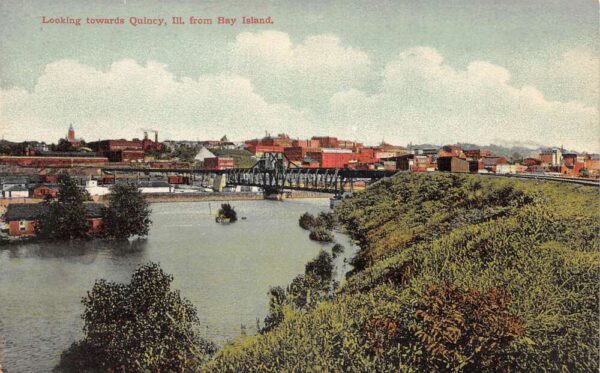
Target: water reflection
<point x="85" y="252"/>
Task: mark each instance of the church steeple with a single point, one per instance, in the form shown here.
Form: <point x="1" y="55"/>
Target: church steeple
<point x="71" y="134"/>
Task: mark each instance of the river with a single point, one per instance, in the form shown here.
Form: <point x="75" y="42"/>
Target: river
<point x="224" y="270"/>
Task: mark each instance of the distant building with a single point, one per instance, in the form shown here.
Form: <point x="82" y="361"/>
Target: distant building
<point x="477" y="153"/>
<point x="46" y="161"/>
<point x="71" y="137"/>
<point x="45" y="190"/>
<point x="203" y="154"/>
<point x="23" y="217"/>
<point x="552" y="157"/>
<point x="218" y="163"/>
<point x="450" y="151"/>
<point x="15" y="191"/>
<point x="119" y="150"/>
<point x="456" y="164"/>
<point x="155" y="187"/>
<point x="490" y="163"/>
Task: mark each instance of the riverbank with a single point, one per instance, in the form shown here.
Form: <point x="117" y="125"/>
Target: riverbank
<point x="209" y="197"/>
<point x="455" y="272"/>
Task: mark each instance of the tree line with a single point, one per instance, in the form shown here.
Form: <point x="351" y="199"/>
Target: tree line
<point x="65" y="217"/>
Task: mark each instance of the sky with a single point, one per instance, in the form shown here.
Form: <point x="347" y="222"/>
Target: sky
<point x="481" y="71"/>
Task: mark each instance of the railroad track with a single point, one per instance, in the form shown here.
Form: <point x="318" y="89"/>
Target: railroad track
<point x="562" y="179"/>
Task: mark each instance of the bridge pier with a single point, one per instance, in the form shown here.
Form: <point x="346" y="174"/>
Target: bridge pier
<point x="273" y="193"/>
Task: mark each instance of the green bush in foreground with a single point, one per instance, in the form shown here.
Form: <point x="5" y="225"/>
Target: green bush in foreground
<point x="455" y="273"/>
<point x="137" y="327"/>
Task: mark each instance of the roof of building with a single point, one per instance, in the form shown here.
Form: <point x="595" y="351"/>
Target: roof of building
<point x="32" y="211"/>
<point x="203" y="154"/>
<point x="47" y="185"/>
<point x="17" y="188"/>
<point x="154" y="184"/>
<point x="15" y="180"/>
<point x="23" y="211"/>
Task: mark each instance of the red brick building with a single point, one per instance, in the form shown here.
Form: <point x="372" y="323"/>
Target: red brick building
<point x="45" y="190"/>
<point x="298" y="153"/>
<point x="258" y="150"/>
<point x="218" y="163"/>
<point x="65" y="162"/>
<point x="450" y="151"/>
<point x="477" y="153"/>
<point x="119" y="150"/>
<point x="23" y="217"/>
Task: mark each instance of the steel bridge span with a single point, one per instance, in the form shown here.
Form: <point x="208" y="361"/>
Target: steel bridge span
<point x="274" y="174"/>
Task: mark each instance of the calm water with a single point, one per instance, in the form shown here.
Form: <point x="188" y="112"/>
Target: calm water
<point x="225" y="270"/>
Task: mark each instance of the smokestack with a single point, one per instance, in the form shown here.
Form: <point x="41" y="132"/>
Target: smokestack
<point x="156" y="137"/>
<point x="145" y="135"/>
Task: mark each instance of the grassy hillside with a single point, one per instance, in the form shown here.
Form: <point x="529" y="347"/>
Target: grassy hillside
<point x="455" y="273"/>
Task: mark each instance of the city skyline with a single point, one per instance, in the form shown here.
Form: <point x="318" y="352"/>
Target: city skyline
<point x="483" y="73"/>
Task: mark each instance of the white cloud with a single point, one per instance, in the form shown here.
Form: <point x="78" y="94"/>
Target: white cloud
<point x="425" y="100"/>
<point x="118" y="102"/>
<point x="318" y="86"/>
<point x="568" y="75"/>
<point x="306" y="74"/>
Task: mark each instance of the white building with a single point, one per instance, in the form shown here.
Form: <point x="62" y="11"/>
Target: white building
<point x="91" y="186"/>
<point x="155" y="187"/>
<point x="203" y="154"/>
<point x="16" y="191"/>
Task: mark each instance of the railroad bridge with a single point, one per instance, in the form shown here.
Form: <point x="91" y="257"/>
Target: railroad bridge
<point x="274" y="174"/>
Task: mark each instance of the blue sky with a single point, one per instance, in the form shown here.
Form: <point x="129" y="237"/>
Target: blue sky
<point x="510" y="72"/>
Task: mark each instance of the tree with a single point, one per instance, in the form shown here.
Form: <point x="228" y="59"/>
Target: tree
<point x="63" y="146"/>
<point x="277" y="300"/>
<point x="516" y="157"/>
<point x="321" y="234"/>
<point x="307" y="221"/>
<point x="320" y="267"/>
<point x="326" y="220"/>
<point x="64" y="217"/>
<point x="128" y="213"/>
<point x="226" y="214"/>
<point x="337" y="249"/>
<point x="137" y="327"/>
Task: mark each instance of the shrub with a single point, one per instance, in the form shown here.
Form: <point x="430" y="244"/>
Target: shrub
<point x="321" y="235"/>
<point x="326" y="220"/>
<point x="466" y="329"/>
<point x="136" y="327"/>
<point x="307" y="221"/>
<point x="226" y="214"/>
<point x="337" y="249"/>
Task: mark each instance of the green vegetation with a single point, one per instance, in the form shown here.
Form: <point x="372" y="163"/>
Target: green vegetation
<point x="304" y="292"/>
<point x="321" y="234"/>
<point x="320" y="227"/>
<point x="128" y="213"/>
<point x="455" y="273"/>
<point x="326" y="220"/>
<point x="137" y="327"/>
<point x="307" y="221"/>
<point x="64" y="217"/>
<point x="337" y="249"/>
<point x="226" y="214"/>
